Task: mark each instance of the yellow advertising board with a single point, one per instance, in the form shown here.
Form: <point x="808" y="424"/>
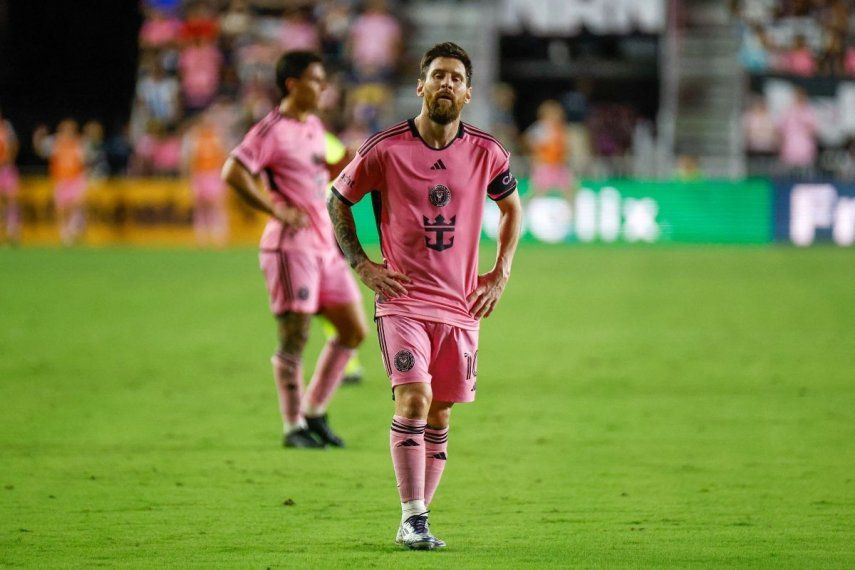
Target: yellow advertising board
<point x="138" y="211"/>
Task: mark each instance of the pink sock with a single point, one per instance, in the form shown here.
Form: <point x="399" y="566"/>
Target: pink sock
<point x="436" y="448"/>
<point x="406" y="440"/>
<point x="328" y="374"/>
<point x="288" y="373"/>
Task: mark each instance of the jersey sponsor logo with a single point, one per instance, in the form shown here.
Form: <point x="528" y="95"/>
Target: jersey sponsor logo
<point x="438" y="165"/>
<point x="439" y="195"/>
<point x="404" y="360"/>
<point x="439" y="226"/>
<point x="303" y="293"/>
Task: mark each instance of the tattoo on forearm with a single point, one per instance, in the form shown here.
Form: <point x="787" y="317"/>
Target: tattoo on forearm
<point x="345" y="231"/>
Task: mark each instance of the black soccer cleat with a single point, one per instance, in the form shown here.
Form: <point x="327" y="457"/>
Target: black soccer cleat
<point x="302" y="438"/>
<point x="353" y="378"/>
<point x="320" y="428"/>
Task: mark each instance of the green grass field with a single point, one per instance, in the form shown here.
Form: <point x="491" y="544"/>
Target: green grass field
<point x="670" y="406"/>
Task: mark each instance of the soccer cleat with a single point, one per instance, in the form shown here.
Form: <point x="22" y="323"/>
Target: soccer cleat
<point x="321" y="429"/>
<point x="302" y="438"/>
<point x="352" y="378"/>
<point x="414" y="533"/>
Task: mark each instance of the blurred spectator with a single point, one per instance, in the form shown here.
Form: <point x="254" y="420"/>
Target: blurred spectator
<point x="200" y="23"/>
<point x="761" y="133"/>
<point x="157" y="152"/>
<point x="334" y="19"/>
<point x="118" y="150"/>
<point x="504" y="124"/>
<point x="356" y="132"/>
<point x="94" y="151"/>
<point x="298" y="31"/>
<point x="832" y="58"/>
<point x="575" y="101"/>
<point x="547" y="141"/>
<point x="849" y="64"/>
<point x="200" y="64"/>
<point x="754" y="52"/>
<point x="370" y="102"/>
<point x="67" y="166"/>
<point x="203" y="156"/>
<point x="375" y="42"/>
<point x="688" y="169"/>
<point x="236" y="20"/>
<point x="798" y="135"/>
<point x="10" y="209"/>
<point x="160" y="29"/>
<point x="799" y="60"/>
<point x="611" y="126"/>
<point x="158" y="93"/>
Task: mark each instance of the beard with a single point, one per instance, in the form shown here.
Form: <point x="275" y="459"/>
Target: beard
<point x="442" y="113"/>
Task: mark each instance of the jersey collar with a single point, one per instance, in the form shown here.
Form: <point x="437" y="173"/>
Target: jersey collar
<point x="415" y="131"/>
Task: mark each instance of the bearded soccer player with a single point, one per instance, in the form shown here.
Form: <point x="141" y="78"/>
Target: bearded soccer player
<point x="280" y="168"/>
<point x="428" y="178"/>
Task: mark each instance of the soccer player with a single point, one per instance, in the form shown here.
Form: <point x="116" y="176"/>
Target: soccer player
<point x="304" y="271"/>
<point x="428" y="178"/>
<point x="10" y="218"/>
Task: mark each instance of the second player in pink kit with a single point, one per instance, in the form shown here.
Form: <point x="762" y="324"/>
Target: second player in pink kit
<point x="428" y="179"/>
<point x="280" y="168"/>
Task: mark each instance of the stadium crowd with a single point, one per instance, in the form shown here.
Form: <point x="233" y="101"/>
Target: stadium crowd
<point x="803" y="38"/>
<point x="800" y="57"/>
<point x="206" y="62"/>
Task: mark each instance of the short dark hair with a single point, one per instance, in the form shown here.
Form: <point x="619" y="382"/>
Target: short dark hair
<point x="446" y="49"/>
<point x="294" y="64"/>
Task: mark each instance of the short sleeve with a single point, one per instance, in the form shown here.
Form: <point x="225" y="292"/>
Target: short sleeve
<point x="358" y="178"/>
<point x="504" y="183"/>
<point x="255" y="149"/>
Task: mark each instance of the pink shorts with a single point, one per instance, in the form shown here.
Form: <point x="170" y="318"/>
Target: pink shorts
<point x="207" y="186"/>
<point x="70" y="191"/>
<point x="444" y="356"/>
<point x="302" y="282"/>
<point x="8" y="180"/>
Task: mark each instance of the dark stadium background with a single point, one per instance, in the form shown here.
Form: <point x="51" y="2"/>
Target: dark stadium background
<point x="67" y="59"/>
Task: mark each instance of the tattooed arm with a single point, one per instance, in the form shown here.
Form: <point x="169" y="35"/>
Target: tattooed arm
<point x="376" y="276"/>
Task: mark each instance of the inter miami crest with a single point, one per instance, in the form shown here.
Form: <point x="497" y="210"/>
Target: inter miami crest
<point x="404" y="360"/>
<point x="439" y="195"/>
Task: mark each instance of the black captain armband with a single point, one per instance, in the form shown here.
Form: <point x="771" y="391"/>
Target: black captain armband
<point x="502" y="185"/>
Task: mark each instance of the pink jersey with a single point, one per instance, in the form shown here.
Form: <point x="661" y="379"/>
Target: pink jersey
<point x="429" y="204"/>
<point x="292" y="154"/>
